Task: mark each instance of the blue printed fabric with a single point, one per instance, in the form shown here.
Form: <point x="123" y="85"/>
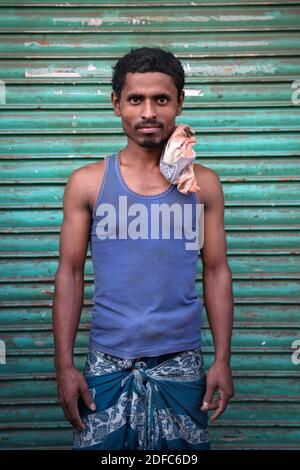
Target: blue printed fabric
<point x="144" y="403"/>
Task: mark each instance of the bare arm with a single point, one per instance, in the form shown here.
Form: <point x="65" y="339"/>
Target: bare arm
<point x="68" y="295"/>
<point x="217" y="278"/>
<point x="218" y="297"/>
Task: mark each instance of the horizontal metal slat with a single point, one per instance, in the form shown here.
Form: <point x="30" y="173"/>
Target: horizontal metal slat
<point x="85" y="96"/>
<point x="247" y="69"/>
<point x="60" y="436"/>
<point x="202" y="121"/>
<point x="58" y="170"/>
<point x="261" y="290"/>
<point x="97" y="45"/>
<point x="265" y="362"/>
<point x="272" y="389"/>
<point x="221" y="145"/>
<point x="27" y="438"/>
<point x="238" y="242"/>
<point x="266" y="340"/>
<point x="192" y="18"/>
<point x="250" y="315"/>
<point x="251" y="266"/>
<point x="48" y="220"/>
<point x="244" y="414"/>
<point x="150" y="3"/>
<point x="256" y="438"/>
<point x="236" y="193"/>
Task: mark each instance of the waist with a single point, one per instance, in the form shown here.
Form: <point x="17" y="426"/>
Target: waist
<point x="132" y="332"/>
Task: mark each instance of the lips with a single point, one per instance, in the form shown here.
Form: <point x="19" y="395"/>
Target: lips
<point x="149" y="129"/>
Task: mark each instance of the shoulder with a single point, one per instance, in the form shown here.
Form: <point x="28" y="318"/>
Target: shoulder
<point x="85" y="176"/>
<point x="83" y="173"/>
<point x="83" y="181"/>
<point x="209" y="182"/>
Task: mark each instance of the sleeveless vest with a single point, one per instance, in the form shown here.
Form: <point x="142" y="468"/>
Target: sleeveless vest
<point x="144" y="253"/>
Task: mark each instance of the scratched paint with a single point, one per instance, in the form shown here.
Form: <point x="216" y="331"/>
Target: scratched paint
<point x="190" y="92"/>
<point x="232" y="70"/>
<point x="47" y="72"/>
<point x="2" y="352"/>
<point x="2" y="92"/>
<point x="83" y="21"/>
<point x="239" y="17"/>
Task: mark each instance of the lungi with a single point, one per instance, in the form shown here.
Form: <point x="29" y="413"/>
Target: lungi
<point x="144" y="403"/>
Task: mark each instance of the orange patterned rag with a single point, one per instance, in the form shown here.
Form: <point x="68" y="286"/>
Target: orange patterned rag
<point x="176" y="161"/>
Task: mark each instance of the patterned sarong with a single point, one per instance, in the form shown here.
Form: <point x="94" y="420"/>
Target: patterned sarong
<point x="144" y="403"/>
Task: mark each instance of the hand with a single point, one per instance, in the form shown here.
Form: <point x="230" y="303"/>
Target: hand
<point x="218" y="378"/>
<point x="70" y="385"/>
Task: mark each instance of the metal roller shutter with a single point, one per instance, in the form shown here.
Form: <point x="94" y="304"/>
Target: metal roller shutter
<point x="241" y="59"/>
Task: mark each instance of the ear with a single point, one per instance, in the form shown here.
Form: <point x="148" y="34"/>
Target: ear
<point x="180" y="103"/>
<point x="115" y="103"/>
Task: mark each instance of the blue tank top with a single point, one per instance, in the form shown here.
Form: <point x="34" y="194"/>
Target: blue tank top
<point x="144" y="253"/>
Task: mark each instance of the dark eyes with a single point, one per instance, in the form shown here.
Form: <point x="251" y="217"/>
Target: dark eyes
<point x="136" y="100"/>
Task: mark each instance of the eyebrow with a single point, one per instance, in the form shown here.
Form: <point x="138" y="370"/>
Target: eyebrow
<point x="157" y="95"/>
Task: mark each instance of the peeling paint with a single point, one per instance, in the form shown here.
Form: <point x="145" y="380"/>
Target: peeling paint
<point x="46" y="72"/>
<point x="232" y="70"/>
<point x="135" y="21"/>
<point x="74" y="121"/>
<point x="186" y="67"/>
<point x="94" y="22"/>
<point x="193" y="92"/>
<point x="242" y="17"/>
<point x="2" y="92"/>
<point x="236" y="43"/>
<point x="84" y="21"/>
<point x="36" y="43"/>
<point x="2" y="352"/>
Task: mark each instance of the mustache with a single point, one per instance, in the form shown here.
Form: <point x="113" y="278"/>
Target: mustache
<point x="148" y="124"/>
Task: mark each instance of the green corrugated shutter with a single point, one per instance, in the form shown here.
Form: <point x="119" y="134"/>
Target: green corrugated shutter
<point x="241" y="58"/>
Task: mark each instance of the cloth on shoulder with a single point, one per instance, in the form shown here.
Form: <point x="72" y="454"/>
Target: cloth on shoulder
<point x="176" y="161"/>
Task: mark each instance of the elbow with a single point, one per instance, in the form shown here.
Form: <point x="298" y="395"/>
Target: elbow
<point x="218" y="269"/>
<point x="70" y="272"/>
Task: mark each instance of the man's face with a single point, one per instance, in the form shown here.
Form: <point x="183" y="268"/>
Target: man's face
<point x="148" y="107"/>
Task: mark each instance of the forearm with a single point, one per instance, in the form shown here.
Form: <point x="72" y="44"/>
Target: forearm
<point x="67" y="306"/>
<point x="218" y="300"/>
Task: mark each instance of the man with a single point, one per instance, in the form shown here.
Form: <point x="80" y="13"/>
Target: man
<point x="144" y="384"/>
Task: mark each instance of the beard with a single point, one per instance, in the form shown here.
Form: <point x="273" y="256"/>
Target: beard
<point x="149" y="142"/>
<point x="146" y="141"/>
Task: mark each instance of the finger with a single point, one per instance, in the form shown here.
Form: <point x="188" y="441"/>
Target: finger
<point x="74" y="417"/>
<point x="66" y="414"/>
<point x="207" y="400"/>
<point x="217" y="413"/>
<point x="210" y="406"/>
<point x="222" y="403"/>
<point x="87" y="397"/>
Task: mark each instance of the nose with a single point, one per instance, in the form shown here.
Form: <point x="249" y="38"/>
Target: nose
<point x="149" y="110"/>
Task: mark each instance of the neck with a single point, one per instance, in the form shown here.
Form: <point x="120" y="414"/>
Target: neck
<point x="142" y="158"/>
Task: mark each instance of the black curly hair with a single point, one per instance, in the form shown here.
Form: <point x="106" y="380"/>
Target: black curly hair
<point x="147" y="59"/>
